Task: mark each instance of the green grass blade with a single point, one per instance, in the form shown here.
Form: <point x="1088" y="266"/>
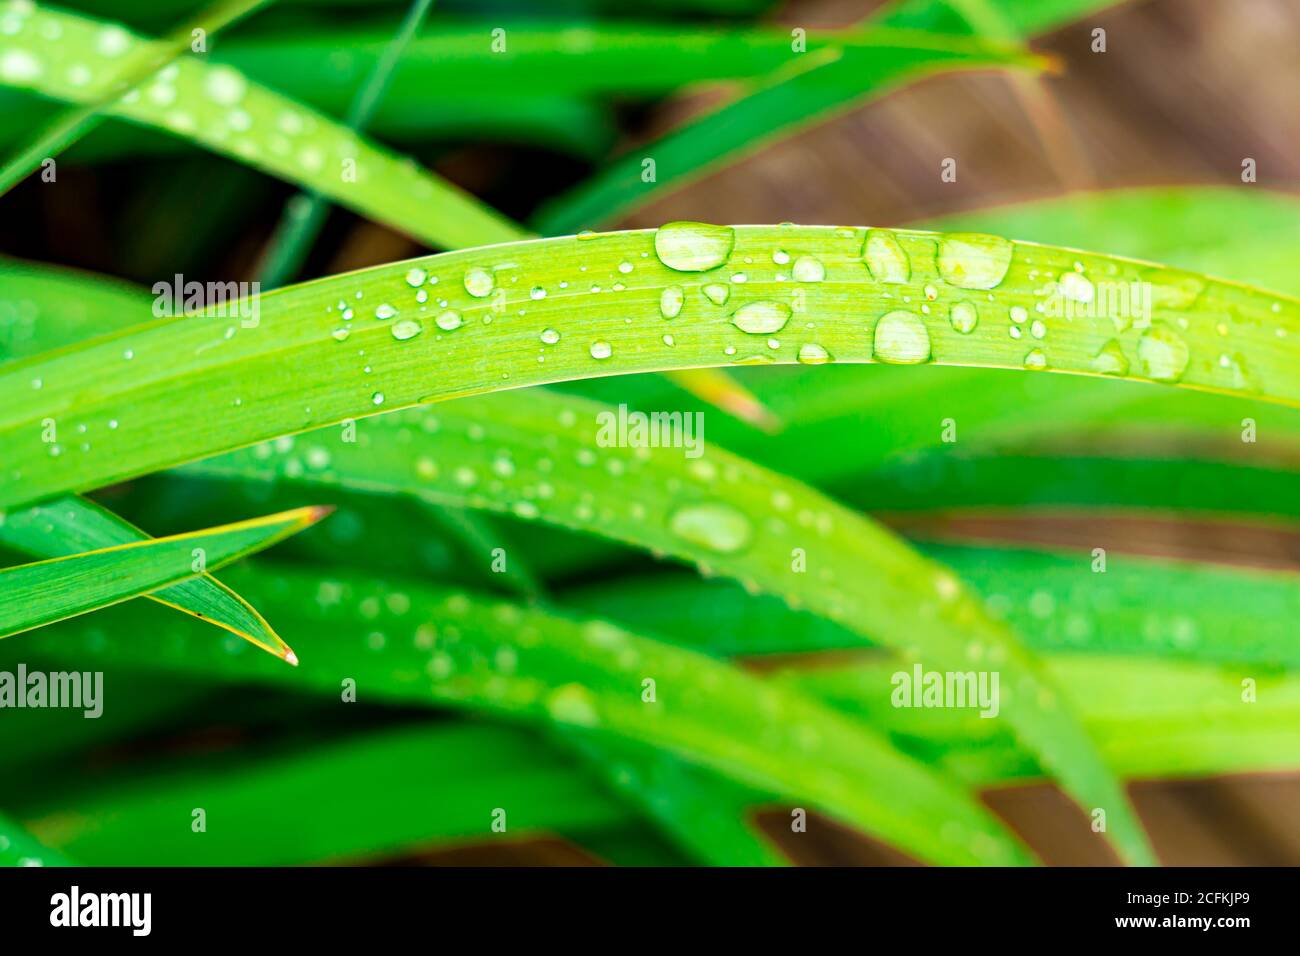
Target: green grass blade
<point x="301" y="366"/>
<point x="218" y="108"/>
<point x="811" y="87"/>
<point x="48" y="591"/>
<point x="537" y="457"/>
<point x="402" y="641"/>
<point x="69" y="525"/>
<point x="126" y="75"/>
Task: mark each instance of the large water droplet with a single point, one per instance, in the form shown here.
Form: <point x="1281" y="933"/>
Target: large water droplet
<point x="972" y="260"/>
<point x="964" y="317"/>
<point x="1163" y="353"/>
<point x="693" y="246"/>
<point x="479" y="283"/>
<point x="761" y="318"/>
<point x="670" y="301"/>
<point x="1111" y="360"/>
<point x="885" y="258"/>
<point x="809" y="269"/>
<point x="714" y="525"/>
<point x="573" y="704"/>
<point x="901" y="338"/>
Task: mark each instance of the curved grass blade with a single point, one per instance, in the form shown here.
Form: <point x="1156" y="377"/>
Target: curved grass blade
<point x="218" y="108"/>
<point x="548" y="310"/>
<point x="127" y="74"/>
<point x="406" y="642"/>
<point x="810" y="88"/>
<point x="47" y="591"/>
<point x="70" y="525"/>
<point x="538" y="456"/>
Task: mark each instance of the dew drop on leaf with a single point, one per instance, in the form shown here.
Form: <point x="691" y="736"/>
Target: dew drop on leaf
<point x="813" y="354"/>
<point x="761" y="318"/>
<point x="714" y="525"/>
<point x="885" y="258"/>
<point x="670" y="301"/>
<point x="809" y="269"/>
<point x="448" y="321"/>
<point x="385" y="311"/>
<point x="693" y="246"/>
<point x="601" y="350"/>
<point x="1163" y="353"/>
<point x="479" y="283"/>
<point x="1111" y="360"/>
<point x="901" y="338"/>
<point x="964" y="317"/>
<point x="973" y="260"/>
<point x="717" y="293"/>
<point x="406" y="329"/>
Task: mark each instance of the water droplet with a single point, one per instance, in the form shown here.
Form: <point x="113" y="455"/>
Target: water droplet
<point x="813" y="354"/>
<point x="693" y="246"/>
<point x="377" y="398"/>
<point x="573" y="704"/>
<point x="717" y="293"/>
<point x="973" y="260"/>
<point x="406" y="329"/>
<point x="449" y="321"/>
<point x="1019" y="314"/>
<point x="550" y="336"/>
<point x="885" y="258"/>
<point x="479" y="283"/>
<point x="1038" y="329"/>
<point x="714" y="525"/>
<point x="340" y="335"/>
<point x="625" y="267"/>
<point x="809" y="269"/>
<point x="1036" y="359"/>
<point x="537" y="292"/>
<point x="901" y="338"/>
<point x="964" y="317"/>
<point x="1163" y="353"/>
<point x="1076" y="287"/>
<point x="1111" y="360"/>
<point x="761" y="318"/>
<point x="385" y="311"/>
<point x="601" y="350"/>
<point x="670" y="301"/>
<point x="415" y="278"/>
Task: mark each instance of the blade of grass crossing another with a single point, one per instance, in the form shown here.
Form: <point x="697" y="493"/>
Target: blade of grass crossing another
<point x="48" y="591"/>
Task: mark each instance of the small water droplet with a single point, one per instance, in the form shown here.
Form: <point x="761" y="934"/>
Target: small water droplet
<point x="693" y="246"/>
<point x="385" y="311"/>
<point x="1076" y="287"/>
<point x="415" y="278"/>
<point x="550" y="336"/>
<point x="340" y="335"/>
<point x="780" y="257"/>
<point x="377" y="398"/>
<point x="901" y="338"/>
<point x="1036" y="359"/>
<point x="573" y="704"/>
<point x="964" y="317"/>
<point x="813" y="354"/>
<point x="448" y="321"/>
<point x="479" y="283"/>
<point x="601" y="350"/>
<point x="537" y="292"/>
<point x="714" y="525"/>
<point x="670" y="301"/>
<point x="717" y="293"/>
